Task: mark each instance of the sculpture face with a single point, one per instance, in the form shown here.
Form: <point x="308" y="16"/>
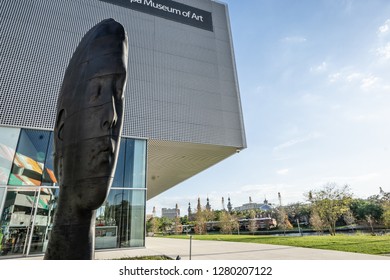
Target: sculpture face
<point x="90" y="113"/>
<point x="87" y="137"/>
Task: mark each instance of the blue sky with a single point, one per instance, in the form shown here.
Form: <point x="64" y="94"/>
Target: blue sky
<point x="315" y="88"/>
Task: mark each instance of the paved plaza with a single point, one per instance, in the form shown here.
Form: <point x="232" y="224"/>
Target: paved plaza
<point x="220" y="250"/>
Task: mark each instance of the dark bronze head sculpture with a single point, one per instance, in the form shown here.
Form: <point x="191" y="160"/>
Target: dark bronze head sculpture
<point x="87" y="136"/>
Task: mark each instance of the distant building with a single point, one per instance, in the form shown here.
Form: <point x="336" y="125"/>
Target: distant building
<point x="229" y="205"/>
<point x="208" y="206"/>
<point x="170" y="213"/>
<point x="265" y="206"/>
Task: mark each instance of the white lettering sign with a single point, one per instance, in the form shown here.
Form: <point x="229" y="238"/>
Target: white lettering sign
<point x="171" y="10"/>
<point x="165" y="8"/>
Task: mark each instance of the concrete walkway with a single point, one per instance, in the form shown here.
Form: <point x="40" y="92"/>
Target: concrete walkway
<point x="219" y="250"/>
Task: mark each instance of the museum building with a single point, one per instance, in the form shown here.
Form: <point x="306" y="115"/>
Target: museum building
<point x="182" y="109"/>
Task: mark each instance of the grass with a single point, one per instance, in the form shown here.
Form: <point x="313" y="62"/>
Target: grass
<point x="365" y="244"/>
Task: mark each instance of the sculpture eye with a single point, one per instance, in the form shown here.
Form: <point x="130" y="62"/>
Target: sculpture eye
<point x="60" y="124"/>
<point x="60" y="132"/>
<point x="99" y="91"/>
<point x="97" y="94"/>
<point x="106" y="125"/>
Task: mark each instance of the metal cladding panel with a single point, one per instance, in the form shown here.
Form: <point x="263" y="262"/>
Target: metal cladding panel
<point x="182" y="84"/>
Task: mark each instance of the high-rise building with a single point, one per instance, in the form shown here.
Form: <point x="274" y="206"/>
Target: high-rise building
<point x="182" y="108"/>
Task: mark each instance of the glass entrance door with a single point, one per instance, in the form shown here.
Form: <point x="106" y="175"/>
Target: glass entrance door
<point x="16" y="220"/>
<point x="26" y="220"/>
<point x="43" y="220"/>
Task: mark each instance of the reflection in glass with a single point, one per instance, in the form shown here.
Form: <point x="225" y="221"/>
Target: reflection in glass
<point x="27" y="168"/>
<point x="120" y="166"/>
<point x="27" y="217"/>
<point x="49" y="179"/>
<point x="135" y="163"/>
<point x="137" y="219"/>
<point x="43" y="221"/>
<point x="2" y="193"/>
<point x="120" y="221"/>
<point x="16" y="220"/>
<point x="8" y="141"/>
<point x="27" y="213"/>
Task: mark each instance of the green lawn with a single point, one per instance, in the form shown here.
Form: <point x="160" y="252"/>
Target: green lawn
<point x="366" y="244"/>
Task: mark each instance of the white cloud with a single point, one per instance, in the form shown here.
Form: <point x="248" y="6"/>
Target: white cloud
<point x="335" y="77"/>
<point x="350" y="180"/>
<point x="319" y="68"/>
<point x="296" y="141"/>
<point x="294" y="39"/>
<point x="365" y="81"/>
<point x="283" y="171"/>
<point x="384" y="52"/>
<point x="353" y="77"/>
<point x="384" y="28"/>
<point x="369" y="81"/>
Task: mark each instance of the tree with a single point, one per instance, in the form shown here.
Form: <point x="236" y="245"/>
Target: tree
<point x="298" y="211"/>
<point x="316" y="222"/>
<point x="330" y="203"/>
<point x="184" y="220"/>
<point x="165" y="224"/>
<point x="386" y="215"/>
<point x="349" y="218"/>
<point x="367" y="210"/>
<point x="228" y="223"/>
<point x="209" y="215"/>
<point x="252" y="226"/>
<point x="153" y="225"/>
<point x="200" y="222"/>
<point x="283" y="222"/>
<point x="178" y="226"/>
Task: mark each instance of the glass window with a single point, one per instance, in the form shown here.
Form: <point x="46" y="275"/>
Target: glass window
<point x="120" y="222"/>
<point x="27" y="168"/>
<point x="136" y="212"/>
<point x="135" y="165"/>
<point x="2" y="192"/>
<point x="120" y="166"/>
<point x="48" y="178"/>
<point x="108" y="221"/>
<point x="8" y="140"/>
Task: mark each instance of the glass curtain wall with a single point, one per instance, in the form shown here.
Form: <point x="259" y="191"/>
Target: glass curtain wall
<point x="120" y="222"/>
<point x="8" y="142"/>
<point x="29" y="192"/>
<point x="28" y="165"/>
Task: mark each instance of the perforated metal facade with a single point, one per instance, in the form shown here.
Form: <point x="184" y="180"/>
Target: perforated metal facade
<point x="182" y="86"/>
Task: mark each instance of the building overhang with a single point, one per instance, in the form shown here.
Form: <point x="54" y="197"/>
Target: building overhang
<point x="170" y="163"/>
